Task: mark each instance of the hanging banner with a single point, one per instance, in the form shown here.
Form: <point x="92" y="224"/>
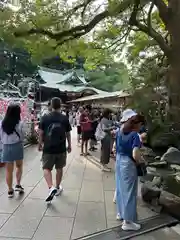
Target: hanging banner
<point x="25" y="112"/>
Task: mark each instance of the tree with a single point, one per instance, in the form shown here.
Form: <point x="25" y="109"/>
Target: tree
<point x="64" y="27"/>
<point x="15" y="63"/>
<point x="58" y="63"/>
<point x="109" y="78"/>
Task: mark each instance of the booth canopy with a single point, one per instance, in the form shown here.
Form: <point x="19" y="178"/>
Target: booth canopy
<point x="118" y="94"/>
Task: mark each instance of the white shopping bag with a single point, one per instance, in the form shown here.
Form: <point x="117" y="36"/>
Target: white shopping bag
<point x="100" y="134"/>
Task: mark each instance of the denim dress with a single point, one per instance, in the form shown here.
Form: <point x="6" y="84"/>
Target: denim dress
<point x="12" y="145"/>
<point x="126" y="175"/>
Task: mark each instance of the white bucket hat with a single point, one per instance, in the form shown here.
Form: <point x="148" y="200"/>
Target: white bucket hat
<point x="127" y="114"/>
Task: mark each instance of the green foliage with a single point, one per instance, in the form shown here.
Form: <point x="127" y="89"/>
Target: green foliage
<point x="139" y="42"/>
<point x="98" y="48"/>
<point x="15" y="63"/>
<point x="47" y="28"/>
<point x="110" y="78"/>
<point x="148" y="83"/>
<point x="51" y="18"/>
<point x="58" y="16"/>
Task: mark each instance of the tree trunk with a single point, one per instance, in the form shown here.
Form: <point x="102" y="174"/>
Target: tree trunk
<point x="174" y="60"/>
<point x="174" y="93"/>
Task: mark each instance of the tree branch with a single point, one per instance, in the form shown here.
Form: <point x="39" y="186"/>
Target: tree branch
<point x="116" y="41"/>
<point x="33" y="31"/>
<point x="149" y="31"/>
<point x="79" y="30"/>
<point x="86" y="3"/>
<point x="149" y="15"/>
<point x="76" y="8"/>
<point x="156" y="36"/>
<point x="163" y="11"/>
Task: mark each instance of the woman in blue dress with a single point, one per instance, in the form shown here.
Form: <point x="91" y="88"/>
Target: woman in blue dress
<point x="127" y="156"/>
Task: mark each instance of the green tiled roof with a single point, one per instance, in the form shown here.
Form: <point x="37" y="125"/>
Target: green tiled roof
<point x="64" y="80"/>
<point x="51" y="76"/>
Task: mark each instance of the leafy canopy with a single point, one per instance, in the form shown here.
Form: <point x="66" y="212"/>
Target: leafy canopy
<point x="94" y="29"/>
<point x="112" y="77"/>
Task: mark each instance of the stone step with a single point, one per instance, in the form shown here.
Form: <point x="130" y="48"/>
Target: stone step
<point x="166" y="233"/>
<point x="149" y="226"/>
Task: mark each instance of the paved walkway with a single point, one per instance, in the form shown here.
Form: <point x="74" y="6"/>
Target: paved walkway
<point x="84" y="207"/>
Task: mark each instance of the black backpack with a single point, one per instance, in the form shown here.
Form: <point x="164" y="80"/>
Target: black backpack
<point x="55" y="134"/>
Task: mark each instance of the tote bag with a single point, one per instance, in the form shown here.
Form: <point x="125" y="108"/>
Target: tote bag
<point x="100" y="134"/>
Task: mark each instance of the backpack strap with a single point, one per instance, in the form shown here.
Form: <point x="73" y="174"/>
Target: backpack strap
<point x="17" y="134"/>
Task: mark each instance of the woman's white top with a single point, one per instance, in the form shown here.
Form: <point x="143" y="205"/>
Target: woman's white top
<point x="0" y="143"/>
<point x="12" y="138"/>
<point x="78" y="115"/>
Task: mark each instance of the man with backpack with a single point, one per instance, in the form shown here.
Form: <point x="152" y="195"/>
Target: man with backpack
<point x="54" y="131"/>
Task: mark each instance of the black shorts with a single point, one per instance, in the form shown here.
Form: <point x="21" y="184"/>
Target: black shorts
<point x="86" y="135"/>
<point x="51" y="160"/>
<point x="79" y="130"/>
<point x="93" y="137"/>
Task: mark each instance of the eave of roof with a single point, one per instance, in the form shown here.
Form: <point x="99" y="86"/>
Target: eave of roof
<point x="70" y="88"/>
<point x="104" y="95"/>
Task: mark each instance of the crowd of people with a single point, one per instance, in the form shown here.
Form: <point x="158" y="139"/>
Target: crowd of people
<point x="125" y="135"/>
<point x="54" y="132"/>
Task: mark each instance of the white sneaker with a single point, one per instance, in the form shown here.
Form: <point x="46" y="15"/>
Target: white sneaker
<point x="118" y="217"/>
<point x="114" y="198"/>
<point x="105" y="168"/>
<point x="59" y="191"/>
<point x="130" y="226"/>
<point x="52" y="192"/>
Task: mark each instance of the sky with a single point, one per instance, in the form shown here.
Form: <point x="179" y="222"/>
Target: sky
<point x="10" y="5"/>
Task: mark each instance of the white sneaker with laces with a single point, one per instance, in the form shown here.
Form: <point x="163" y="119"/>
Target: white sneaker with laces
<point x="118" y="217"/>
<point x="114" y="198"/>
<point x="52" y="192"/>
<point x="105" y="168"/>
<point x="59" y="191"/>
<point x="130" y="226"/>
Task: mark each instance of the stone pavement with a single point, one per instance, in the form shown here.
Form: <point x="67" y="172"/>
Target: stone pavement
<point x="84" y="207"/>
